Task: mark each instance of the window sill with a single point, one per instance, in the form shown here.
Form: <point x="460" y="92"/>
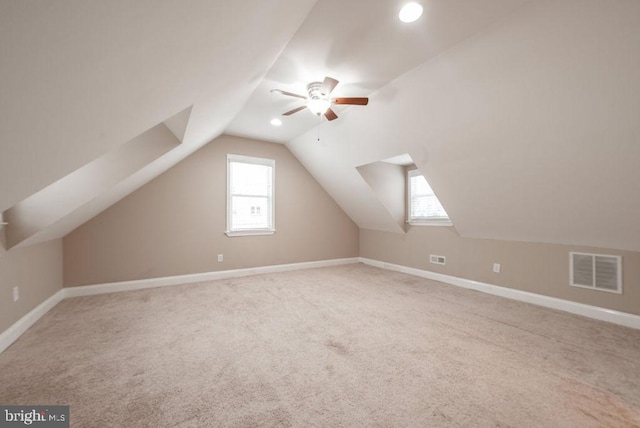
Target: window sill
<point x="256" y="232"/>
<point x="430" y="223"/>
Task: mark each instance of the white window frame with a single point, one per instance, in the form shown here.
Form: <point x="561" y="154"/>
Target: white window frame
<point x="270" y="230"/>
<point x="422" y="221"/>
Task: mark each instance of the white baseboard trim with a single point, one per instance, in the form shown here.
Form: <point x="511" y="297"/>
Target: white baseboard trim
<point x="11" y="334"/>
<point x="16" y="330"/>
<point x="596" y="312"/>
<point x="113" y="287"/>
<point x="19" y="327"/>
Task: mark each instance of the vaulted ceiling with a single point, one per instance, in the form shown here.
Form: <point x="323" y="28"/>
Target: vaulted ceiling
<point x="82" y="79"/>
<point x="522" y="114"/>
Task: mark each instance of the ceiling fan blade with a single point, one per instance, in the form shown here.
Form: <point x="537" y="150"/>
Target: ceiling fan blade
<point x="330" y="114"/>
<point x="290" y="94"/>
<point x="352" y="101"/>
<point x="328" y="85"/>
<point x="295" y="110"/>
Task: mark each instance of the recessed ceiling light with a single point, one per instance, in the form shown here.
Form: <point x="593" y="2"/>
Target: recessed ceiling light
<point x="410" y="12"/>
<point x="276" y="122"/>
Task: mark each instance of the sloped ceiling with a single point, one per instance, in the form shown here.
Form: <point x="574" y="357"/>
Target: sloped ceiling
<point x="34" y="219"/>
<point x="528" y="131"/>
<point x="522" y="114"/>
<point x="363" y="44"/>
<point x="81" y="79"/>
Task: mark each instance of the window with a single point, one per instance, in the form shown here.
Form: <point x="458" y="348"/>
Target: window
<point x="250" y="195"/>
<point x="424" y="207"/>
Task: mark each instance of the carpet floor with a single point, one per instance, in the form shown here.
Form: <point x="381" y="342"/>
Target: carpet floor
<point x="344" y="346"/>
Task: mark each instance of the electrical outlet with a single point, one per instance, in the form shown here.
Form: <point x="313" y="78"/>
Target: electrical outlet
<point x="496" y="267"/>
<point x="438" y="260"/>
<point x="220" y="258"/>
<point x="16" y="294"/>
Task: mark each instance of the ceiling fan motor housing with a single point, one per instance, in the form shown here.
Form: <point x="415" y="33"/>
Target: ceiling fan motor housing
<point x="318" y="101"/>
<point x="315" y="90"/>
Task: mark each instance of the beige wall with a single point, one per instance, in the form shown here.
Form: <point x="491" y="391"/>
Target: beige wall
<point x="36" y="270"/>
<point x="175" y="224"/>
<point x="537" y="268"/>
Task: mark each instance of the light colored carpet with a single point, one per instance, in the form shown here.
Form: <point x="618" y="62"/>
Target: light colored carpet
<point x="342" y="346"/>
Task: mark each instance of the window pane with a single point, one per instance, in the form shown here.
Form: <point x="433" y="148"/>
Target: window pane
<point x="250" y="194"/>
<point x="250" y="179"/>
<point x="423" y="203"/>
<point x="419" y="186"/>
<point x="427" y="206"/>
<point x="250" y="212"/>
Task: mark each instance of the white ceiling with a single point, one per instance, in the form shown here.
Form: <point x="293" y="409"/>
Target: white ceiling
<point x="363" y="44"/>
<point x="527" y="131"/>
<point x="496" y="101"/>
<point x="80" y="77"/>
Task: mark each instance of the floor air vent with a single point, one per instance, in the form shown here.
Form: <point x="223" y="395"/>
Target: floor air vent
<point x="596" y="271"/>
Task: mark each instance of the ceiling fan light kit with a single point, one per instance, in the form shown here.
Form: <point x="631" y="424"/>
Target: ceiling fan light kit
<point x="318" y="105"/>
<point x="318" y="101"/>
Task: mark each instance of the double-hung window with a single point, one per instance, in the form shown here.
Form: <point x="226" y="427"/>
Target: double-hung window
<point x="424" y="208"/>
<point x="250" y="184"/>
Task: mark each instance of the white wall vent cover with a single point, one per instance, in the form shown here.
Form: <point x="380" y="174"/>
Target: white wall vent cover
<point x="438" y="260"/>
<point x="596" y="271"/>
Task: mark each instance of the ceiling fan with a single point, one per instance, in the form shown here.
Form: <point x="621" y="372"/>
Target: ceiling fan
<point x="318" y="101"/>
